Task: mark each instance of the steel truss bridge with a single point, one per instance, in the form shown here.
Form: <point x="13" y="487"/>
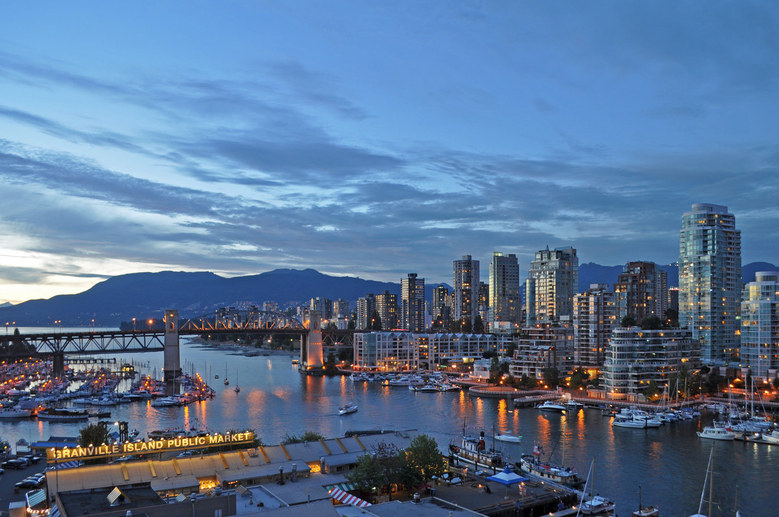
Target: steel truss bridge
<point x="251" y="323"/>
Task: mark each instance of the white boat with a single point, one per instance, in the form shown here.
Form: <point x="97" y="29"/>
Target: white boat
<point x="532" y="464"/>
<point x="237" y="389"/>
<point x="573" y="406"/>
<point x="14" y="413"/>
<point x="596" y="505"/>
<point x="716" y="432"/>
<point x="349" y="407"/>
<point x="549" y="405"/>
<point x="505" y="437"/>
<point x="63" y="415"/>
<point x="166" y="402"/>
<point x="629" y="422"/>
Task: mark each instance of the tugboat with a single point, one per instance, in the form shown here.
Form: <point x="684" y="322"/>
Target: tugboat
<point x="532" y="464"/>
<point x="474" y="451"/>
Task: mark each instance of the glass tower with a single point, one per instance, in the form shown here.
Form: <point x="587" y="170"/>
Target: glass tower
<point x="504" y="288"/>
<point x="760" y="325"/>
<point x="710" y="280"/>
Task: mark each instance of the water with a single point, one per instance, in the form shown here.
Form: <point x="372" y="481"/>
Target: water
<point x="275" y="400"/>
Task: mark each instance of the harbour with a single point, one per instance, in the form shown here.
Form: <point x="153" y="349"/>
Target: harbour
<point x="276" y="401"/>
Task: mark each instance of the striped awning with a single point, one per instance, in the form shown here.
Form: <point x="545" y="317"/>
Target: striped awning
<point x="347" y="498"/>
<point x="54" y="511"/>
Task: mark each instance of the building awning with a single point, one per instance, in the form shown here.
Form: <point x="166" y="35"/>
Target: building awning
<point x="158" y="485"/>
<point x="346" y="487"/>
<point x="347" y="498"/>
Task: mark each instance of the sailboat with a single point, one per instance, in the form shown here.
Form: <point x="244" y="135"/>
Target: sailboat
<point x="227" y="381"/>
<point x="710" y="478"/>
<point x="645" y="511"/>
<point x="596" y="504"/>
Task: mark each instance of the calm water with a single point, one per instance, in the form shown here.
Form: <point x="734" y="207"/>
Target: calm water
<point x="275" y="400"/>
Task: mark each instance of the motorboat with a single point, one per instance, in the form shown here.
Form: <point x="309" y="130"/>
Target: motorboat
<point x="715" y="432"/>
<point x="63" y="415"/>
<point x="573" y="406"/>
<point x="550" y="405"/>
<point x="473" y="451"/>
<point x="629" y="422"/>
<point x="505" y="437"/>
<point x="596" y="505"/>
<point x="349" y="407"/>
<point x="237" y="389"/>
<point x="13" y="412"/>
<point x="532" y="464"/>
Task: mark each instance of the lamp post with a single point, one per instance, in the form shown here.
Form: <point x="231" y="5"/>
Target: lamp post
<point x="133" y="324"/>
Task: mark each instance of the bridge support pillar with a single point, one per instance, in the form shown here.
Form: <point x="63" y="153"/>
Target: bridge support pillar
<point x="172" y="359"/>
<point x="59" y="364"/>
<point x="313" y="347"/>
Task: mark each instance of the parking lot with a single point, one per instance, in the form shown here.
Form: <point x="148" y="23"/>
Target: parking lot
<point x="10" y="477"/>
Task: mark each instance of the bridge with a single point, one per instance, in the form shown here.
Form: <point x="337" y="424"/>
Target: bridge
<point x="57" y="343"/>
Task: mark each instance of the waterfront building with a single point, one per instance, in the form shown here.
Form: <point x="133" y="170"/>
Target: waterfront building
<point x="441" y="310"/>
<point x="466" y="289"/>
<point x="760" y="326"/>
<point x="553" y="279"/>
<point x="504" y="299"/>
<point x="543" y="346"/>
<point x="412" y="303"/>
<point x="641" y="291"/>
<point x="595" y="315"/>
<point x="710" y="280"/>
<point x="397" y="351"/>
<point x="387" y="307"/>
<point x="366" y="306"/>
<point x="636" y="358"/>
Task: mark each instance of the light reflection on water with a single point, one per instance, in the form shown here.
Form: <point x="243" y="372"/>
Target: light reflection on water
<point x="275" y="400"/>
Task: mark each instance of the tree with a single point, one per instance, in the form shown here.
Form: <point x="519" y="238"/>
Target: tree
<point x="350" y="325"/>
<point x="421" y="461"/>
<point x="478" y="325"/>
<point x="330" y="368"/>
<point x="465" y="326"/>
<point x="379" y="469"/>
<point x="579" y="378"/>
<point x="628" y="321"/>
<point x="511" y="349"/>
<point x="93" y="434"/>
<point x="375" y="321"/>
<point x="551" y="377"/>
<point x="651" y="323"/>
<point x="308" y="436"/>
<point x="672" y="318"/>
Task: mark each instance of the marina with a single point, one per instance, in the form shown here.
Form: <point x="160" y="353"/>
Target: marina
<point x="276" y="401"/>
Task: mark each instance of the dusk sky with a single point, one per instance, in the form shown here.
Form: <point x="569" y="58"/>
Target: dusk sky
<point x="375" y="139"/>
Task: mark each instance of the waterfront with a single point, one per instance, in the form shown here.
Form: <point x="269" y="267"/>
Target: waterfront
<point x="275" y="400"/>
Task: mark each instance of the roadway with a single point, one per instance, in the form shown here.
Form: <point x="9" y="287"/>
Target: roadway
<point x="10" y="478"/>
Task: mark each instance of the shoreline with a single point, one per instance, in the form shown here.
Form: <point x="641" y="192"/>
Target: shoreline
<point x="238" y="349"/>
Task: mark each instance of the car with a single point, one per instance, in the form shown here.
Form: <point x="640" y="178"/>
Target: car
<point x="2" y="471"/>
<point x="15" y="464"/>
<point x="28" y="483"/>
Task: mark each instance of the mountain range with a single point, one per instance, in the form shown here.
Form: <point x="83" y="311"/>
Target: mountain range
<point x="147" y="295"/>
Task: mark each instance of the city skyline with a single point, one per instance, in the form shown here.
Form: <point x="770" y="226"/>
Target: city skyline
<point x="375" y="140"/>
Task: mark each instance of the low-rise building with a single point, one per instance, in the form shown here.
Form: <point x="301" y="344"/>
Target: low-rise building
<point x="543" y="346"/>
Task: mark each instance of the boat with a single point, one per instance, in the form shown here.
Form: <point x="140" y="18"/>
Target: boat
<point x="474" y="451"/>
<point x="629" y="422"/>
<point x="349" y="407"/>
<point x="13" y="412"/>
<point x="532" y="464"/>
<point x="237" y="389"/>
<point x="505" y="437"/>
<point x="708" y="479"/>
<point x="573" y="406"/>
<point x="227" y="381"/>
<point x="645" y="511"/>
<point x="550" y="405"/>
<point x="716" y="432"/>
<point x="63" y="415"/>
<point x="596" y="505"/>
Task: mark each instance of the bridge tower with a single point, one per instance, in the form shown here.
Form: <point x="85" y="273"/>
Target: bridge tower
<point x="311" y="356"/>
<point x="172" y="362"/>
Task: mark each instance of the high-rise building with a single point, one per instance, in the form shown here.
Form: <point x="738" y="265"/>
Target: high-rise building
<point x="323" y="306"/>
<point x="365" y="308"/>
<point x="387" y="307"/>
<point x="340" y="307"/>
<point x="504" y="288"/>
<point x="441" y="309"/>
<point x="553" y="279"/>
<point x="412" y="303"/>
<point x="466" y="289"/>
<point x="594" y="316"/>
<point x="641" y="291"/>
<point x="710" y="280"/>
<point x="760" y="326"/>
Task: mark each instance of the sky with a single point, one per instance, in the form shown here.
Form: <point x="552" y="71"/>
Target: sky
<point x="375" y="139"/>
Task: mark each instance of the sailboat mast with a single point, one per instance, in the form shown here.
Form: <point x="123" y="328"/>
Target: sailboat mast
<point x="711" y="481"/>
<point x="703" y="492"/>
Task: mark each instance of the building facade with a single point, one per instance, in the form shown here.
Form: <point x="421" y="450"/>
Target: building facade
<point x="441" y="309"/>
<point x="387" y="307"/>
<point x="543" y="346"/>
<point x="412" y="304"/>
<point x="710" y="280"/>
<point x="760" y="326"/>
<point x="641" y="291"/>
<point x="504" y="289"/>
<point x="594" y="316"/>
<point x="466" y="289"/>
<point x="636" y="358"/>
<point x="553" y="280"/>
<point x="366" y="306"/>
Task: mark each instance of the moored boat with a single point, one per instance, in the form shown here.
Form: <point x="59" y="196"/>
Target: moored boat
<point x="550" y="405"/>
<point x="14" y="413"/>
<point x="473" y="450"/>
<point x="506" y="437"/>
<point x="532" y="464"/>
<point x="715" y="432"/>
<point x="63" y="415"/>
<point x="629" y="422"/>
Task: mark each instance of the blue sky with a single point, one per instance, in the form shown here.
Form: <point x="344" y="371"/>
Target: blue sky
<point x="375" y="138"/>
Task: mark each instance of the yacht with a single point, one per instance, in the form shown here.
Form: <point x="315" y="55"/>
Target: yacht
<point x="716" y="432"/>
<point x="630" y="422"/>
<point x="474" y="451"/>
<point x="506" y="437"/>
<point x="13" y="412"/>
<point x="550" y="405"/>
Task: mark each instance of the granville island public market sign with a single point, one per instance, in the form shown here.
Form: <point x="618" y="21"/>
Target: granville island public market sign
<point x="161" y="445"/>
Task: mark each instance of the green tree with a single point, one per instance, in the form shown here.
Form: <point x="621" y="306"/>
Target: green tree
<point x="350" y="325"/>
<point x="421" y="461"/>
<point x="579" y="378"/>
<point x="465" y="326"/>
<point x="651" y="390"/>
<point x="478" y="325"/>
<point x="375" y="321"/>
<point x="93" y="434"/>
<point x="651" y="323"/>
<point x="330" y="367"/>
<point x="551" y="377"/>
<point x="511" y="349"/>
<point x="672" y="318"/>
<point x="308" y="436"/>
<point x="628" y="321"/>
<point x="378" y="470"/>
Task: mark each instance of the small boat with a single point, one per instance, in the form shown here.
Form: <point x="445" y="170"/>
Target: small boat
<point x="227" y="381"/>
<point x="474" y="451"/>
<point x="549" y="405"/>
<point x="349" y="407"/>
<point x="629" y="422"/>
<point x="63" y="415"/>
<point x="715" y="432"/>
<point x="596" y="505"/>
<point x="237" y="389"/>
<point x="505" y="437"/>
<point x="14" y="413"/>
